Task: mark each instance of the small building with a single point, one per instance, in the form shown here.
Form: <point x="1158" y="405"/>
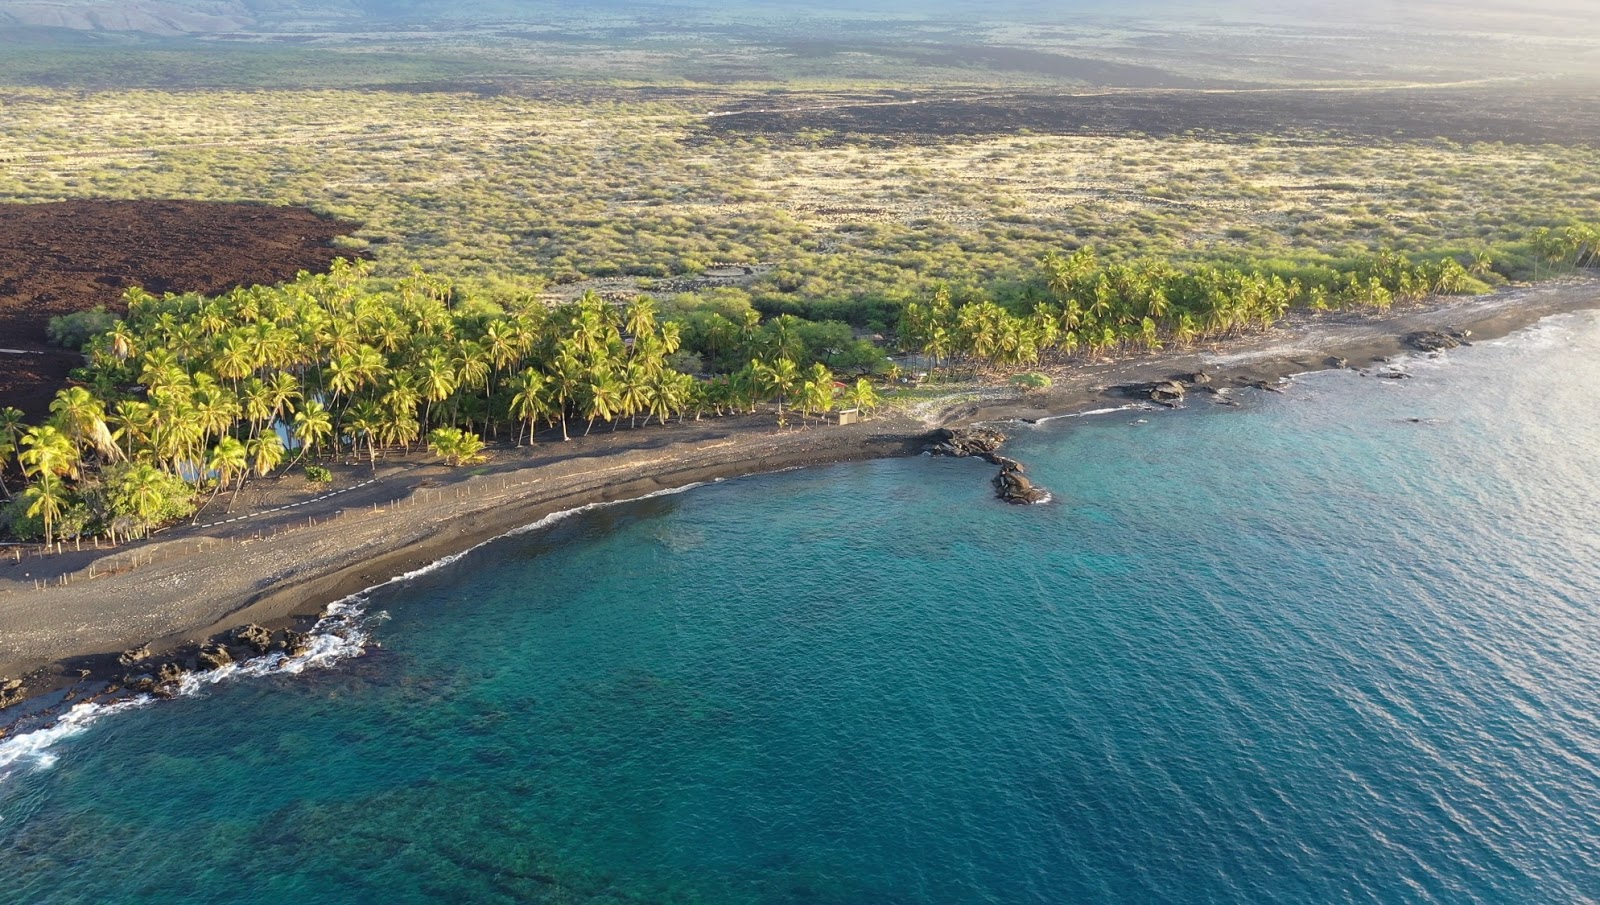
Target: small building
<point x="849" y="416"/>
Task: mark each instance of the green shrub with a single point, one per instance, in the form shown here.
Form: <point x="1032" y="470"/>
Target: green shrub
<point x="15" y="518"/>
<point x="316" y="474"/>
<point x="73" y="331"/>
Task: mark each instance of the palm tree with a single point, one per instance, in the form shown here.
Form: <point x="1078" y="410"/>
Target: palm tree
<point x="285" y="392"/>
<point x="123" y="343"/>
<point x="312" y="425"/>
<point x="48" y="451"/>
<point x="634" y="394"/>
<point x="816" y="393"/>
<point x="228" y="459"/>
<point x="531" y="401"/>
<point x="602" y="397"/>
<point x="438" y="382"/>
<point x="456" y="446"/>
<point x="263" y="453"/>
<point x="862" y="396"/>
<point x="235" y="360"/>
<point x="366" y="423"/>
<point x="566" y="382"/>
<point x="82" y="417"/>
<point x="778" y="377"/>
<point x="143" y="486"/>
<point x="255" y="403"/>
<point x="11" y="427"/>
<point x="46" y="499"/>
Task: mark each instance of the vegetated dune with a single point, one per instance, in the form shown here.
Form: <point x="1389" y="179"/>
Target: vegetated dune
<point x="71" y="256"/>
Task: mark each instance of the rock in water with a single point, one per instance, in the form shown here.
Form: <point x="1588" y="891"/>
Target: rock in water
<point x="214" y="656"/>
<point x="1167" y="391"/>
<point x="296" y="644"/>
<point x="168" y="677"/>
<point x="11" y="692"/>
<point x="963" y="442"/>
<point x="1434" y="340"/>
<point x="255" y="637"/>
<point x="1013" y="487"/>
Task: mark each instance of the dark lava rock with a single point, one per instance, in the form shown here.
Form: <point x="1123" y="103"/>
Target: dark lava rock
<point x="963" y="442"/>
<point x="253" y="636"/>
<point x="296" y="644"/>
<point x="130" y="657"/>
<point x="1013" y="487"/>
<point x="1334" y="361"/>
<point x="1393" y="375"/>
<point x="1167" y="391"/>
<point x="214" y="656"/>
<point x="1434" y="340"/>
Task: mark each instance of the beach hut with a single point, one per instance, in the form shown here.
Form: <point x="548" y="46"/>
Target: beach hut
<point x="849" y="416"/>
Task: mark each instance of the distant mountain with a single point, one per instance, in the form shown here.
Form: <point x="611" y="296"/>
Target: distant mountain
<point x="168" y="17"/>
<point x="203" y="16"/>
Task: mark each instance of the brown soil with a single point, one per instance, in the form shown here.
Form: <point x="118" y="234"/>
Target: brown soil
<point x="73" y="255"/>
<point x="1553" y="113"/>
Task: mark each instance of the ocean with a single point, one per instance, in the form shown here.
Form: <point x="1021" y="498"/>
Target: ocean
<point x="1338" y="644"/>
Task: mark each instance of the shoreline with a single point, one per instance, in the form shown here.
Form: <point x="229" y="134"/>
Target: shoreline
<point x="197" y="584"/>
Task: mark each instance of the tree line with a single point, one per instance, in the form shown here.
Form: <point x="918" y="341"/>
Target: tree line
<point x="1092" y="308"/>
<point x="189" y="392"/>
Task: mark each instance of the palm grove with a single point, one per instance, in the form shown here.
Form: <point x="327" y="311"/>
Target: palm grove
<point x="189" y="397"/>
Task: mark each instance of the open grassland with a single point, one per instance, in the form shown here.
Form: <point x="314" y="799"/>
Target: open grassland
<point x="649" y="189"/>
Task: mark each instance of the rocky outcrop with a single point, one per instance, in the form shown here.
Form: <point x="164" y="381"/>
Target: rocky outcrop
<point x="1171" y="391"/>
<point x="1167" y="391"/>
<point x="130" y="657"/>
<point x="1010" y="484"/>
<point x="971" y="441"/>
<point x="1014" y="487"/>
<point x="253" y="636"/>
<point x="296" y="644"/>
<point x="1435" y="340"/>
<point x="11" y="692"/>
<point x="213" y="656"/>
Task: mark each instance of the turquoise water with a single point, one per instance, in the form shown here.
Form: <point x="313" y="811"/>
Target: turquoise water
<point x="1307" y="650"/>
